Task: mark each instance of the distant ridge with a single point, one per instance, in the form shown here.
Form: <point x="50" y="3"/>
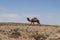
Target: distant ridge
<point x="24" y="24"/>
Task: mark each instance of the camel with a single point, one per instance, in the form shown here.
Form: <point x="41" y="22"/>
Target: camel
<point x="33" y="20"/>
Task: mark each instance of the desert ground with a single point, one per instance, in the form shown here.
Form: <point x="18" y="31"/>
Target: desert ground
<point x="21" y="31"/>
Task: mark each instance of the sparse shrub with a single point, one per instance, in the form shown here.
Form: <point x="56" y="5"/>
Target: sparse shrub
<point x="54" y="39"/>
<point x="39" y="37"/>
<point x="14" y="33"/>
<point x="2" y="30"/>
<point x="0" y="39"/>
<point x="58" y="30"/>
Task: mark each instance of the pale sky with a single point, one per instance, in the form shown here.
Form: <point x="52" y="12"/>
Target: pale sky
<point x="47" y="11"/>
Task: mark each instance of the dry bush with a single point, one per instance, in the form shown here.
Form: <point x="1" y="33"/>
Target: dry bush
<point x="40" y="36"/>
<point x="2" y="31"/>
<point x="14" y="33"/>
<point x="54" y="37"/>
<point x="58" y="30"/>
<point x="0" y="39"/>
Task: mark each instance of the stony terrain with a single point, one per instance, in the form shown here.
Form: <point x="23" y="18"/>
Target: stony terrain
<point x="19" y="31"/>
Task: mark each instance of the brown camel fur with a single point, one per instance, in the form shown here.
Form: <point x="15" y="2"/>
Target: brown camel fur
<point x="33" y="20"/>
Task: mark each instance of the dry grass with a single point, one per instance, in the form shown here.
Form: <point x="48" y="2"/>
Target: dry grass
<point x="28" y="32"/>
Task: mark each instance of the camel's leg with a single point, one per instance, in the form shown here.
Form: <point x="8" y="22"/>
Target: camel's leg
<point x="33" y="22"/>
<point x="30" y="23"/>
<point x="38" y="22"/>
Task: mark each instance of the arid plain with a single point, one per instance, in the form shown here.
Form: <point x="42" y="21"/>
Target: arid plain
<point x="22" y="31"/>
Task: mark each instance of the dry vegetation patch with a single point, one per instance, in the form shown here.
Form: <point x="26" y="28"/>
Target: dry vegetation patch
<point x="25" y="32"/>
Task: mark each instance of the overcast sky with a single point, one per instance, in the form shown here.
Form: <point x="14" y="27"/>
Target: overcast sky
<point x="47" y="11"/>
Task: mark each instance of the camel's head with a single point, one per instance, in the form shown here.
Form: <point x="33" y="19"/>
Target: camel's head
<point x="28" y="19"/>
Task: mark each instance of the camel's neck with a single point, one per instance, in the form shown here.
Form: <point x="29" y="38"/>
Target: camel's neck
<point x="28" y="19"/>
